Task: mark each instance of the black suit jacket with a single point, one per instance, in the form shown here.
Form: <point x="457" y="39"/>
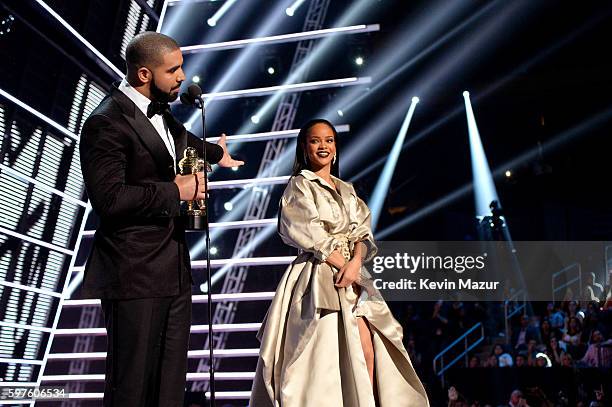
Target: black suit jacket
<point x="139" y="249"/>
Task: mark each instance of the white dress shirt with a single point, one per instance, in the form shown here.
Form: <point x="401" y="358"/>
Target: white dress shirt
<point x="142" y="102"/>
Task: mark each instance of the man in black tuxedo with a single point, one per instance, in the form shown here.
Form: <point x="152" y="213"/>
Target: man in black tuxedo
<point x="139" y="264"/>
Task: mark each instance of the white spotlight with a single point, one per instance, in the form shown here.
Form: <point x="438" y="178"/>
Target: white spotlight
<point x="255" y="119"/>
<point x="466" y="94"/>
<point x="359" y="61"/>
<point x="294" y="6"/>
<point x="340" y="113"/>
<point x="415" y="99"/>
<point x="271" y="70"/>
<point x="228" y="206"/>
<point x="187" y="126"/>
<point x="211" y="22"/>
<point x="508" y="173"/>
<point x="234" y="168"/>
<point x="204" y="287"/>
<point x="195" y="79"/>
<point x="213" y="250"/>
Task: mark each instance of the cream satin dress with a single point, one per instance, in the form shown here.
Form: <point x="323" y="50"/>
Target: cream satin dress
<point x="311" y="352"/>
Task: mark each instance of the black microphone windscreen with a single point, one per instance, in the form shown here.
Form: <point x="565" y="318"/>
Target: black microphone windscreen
<point x="187" y="100"/>
<point x="194" y="91"/>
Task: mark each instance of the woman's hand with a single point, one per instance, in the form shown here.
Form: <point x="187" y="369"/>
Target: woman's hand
<point x="349" y="273"/>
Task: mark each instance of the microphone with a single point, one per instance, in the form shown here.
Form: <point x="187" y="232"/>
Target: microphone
<point x="192" y="96"/>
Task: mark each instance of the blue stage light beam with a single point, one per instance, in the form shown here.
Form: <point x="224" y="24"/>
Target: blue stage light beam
<point x="484" y="187"/>
<point x="247" y="56"/>
<point x="198" y="64"/>
<point x="586" y="127"/>
<point x="318" y="54"/>
<point x="171" y="24"/>
<point x="519" y="70"/>
<point x="382" y="186"/>
<point x="449" y="64"/>
<point x="402" y="50"/>
<point x="483" y="40"/>
<point x="356" y="11"/>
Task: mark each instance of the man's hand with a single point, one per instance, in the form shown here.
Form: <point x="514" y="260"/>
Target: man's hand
<point x="187" y="186"/>
<point x="227" y="160"/>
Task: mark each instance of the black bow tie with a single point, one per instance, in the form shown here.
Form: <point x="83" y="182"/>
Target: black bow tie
<point x="160" y="108"/>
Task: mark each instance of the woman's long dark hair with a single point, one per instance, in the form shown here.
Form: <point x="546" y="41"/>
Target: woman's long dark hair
<point x="301" y="160"/>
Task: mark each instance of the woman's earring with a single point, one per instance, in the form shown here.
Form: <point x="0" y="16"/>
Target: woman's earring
<point x="334" y="160"/>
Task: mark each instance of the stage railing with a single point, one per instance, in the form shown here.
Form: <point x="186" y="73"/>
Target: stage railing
<point x="439" y="365"/>
<point x="512" y="306"/>
<point x="575" y="267"/>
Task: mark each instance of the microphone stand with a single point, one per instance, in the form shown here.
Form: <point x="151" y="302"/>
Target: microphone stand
<point x="199" y="103"/>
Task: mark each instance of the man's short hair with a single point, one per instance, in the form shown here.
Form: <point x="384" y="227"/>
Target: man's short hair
<point x="147" y="49"/>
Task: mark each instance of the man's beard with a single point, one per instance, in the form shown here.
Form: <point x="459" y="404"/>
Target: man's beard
<point x="159" y="95"/>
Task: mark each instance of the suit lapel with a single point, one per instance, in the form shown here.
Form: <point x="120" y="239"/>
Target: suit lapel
<point x="179" y="134"/>
<point x="143" y="128"/>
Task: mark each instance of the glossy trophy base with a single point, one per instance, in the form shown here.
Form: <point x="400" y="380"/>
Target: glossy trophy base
<point x="194" y="222"/>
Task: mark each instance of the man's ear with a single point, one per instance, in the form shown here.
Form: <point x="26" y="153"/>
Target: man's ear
<point x="144" y="74"/>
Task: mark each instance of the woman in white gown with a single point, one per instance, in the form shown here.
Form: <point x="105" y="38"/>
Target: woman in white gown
<point x="328" y="338"/>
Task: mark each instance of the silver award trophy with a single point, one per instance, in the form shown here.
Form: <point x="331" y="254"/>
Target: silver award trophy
<point x="196" y="209"/>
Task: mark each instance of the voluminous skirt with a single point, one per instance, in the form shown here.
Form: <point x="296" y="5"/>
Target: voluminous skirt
<point x="311" y="352"/>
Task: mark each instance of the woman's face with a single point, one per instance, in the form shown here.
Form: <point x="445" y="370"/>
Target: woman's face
<point x="566" y="361"/>
<point x="320" y="146"/>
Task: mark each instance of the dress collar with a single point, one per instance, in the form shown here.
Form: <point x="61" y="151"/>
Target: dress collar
<point x="343" y="187"/>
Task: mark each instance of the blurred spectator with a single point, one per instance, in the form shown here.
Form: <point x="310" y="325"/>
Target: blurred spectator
<point x="556" y="318"/>
<point x="491" y="361"/>
<point x="520" y="360"/>
<point x="498" y="349"/>
<point x="546" y="331"/>
<point x="542" y="360"/>
<point x="572" y="309"/>
<point x="567" y="360"/>
<point x="410" y="320"/>
<point x="554" y="351"/>
<point x="455" y="399"/>
<point x="415" y="356"/>
<point x="600" y="398"/>
<point x="438" y="322"/>
<point x="599" y="352"/>
<point x="524" y="334"/>
<point x="592" y="291"/>
<point x="591" y="321"/>
<point x="458" y="322"/>
<point x="516" y="399"/>
<point x="474" y="362"/>
<point x="573" y="337"/>
<point x="531" y="352"/>
<point x="505" y="360"/>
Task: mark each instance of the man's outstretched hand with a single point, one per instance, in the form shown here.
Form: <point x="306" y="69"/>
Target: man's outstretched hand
<point x="227" y="160"/>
